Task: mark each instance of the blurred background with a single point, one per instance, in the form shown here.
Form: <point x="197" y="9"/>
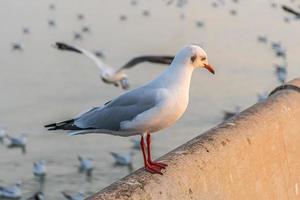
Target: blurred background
<point x="253" y="46"/>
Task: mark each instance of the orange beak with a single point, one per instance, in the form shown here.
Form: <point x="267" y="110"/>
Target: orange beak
<point x="209" y="68"/>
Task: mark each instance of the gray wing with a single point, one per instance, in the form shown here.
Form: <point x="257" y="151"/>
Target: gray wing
<point x="126" y="107"/>
<point x="152" y="59"/>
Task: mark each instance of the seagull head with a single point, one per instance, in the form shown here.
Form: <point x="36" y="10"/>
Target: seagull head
<point x="195" y="56"/>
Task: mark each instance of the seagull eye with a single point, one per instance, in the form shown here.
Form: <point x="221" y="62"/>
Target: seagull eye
<point x="193" y="58"/>
<point x="203" y="58"/>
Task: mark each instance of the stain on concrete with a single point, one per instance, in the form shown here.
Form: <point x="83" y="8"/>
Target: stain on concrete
<point x="223" y="143"/>
<point x="249" y="141"/>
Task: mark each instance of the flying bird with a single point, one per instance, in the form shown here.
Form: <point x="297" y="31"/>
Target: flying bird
<point x="145" y="110"/>
<point x="111" y="75"/>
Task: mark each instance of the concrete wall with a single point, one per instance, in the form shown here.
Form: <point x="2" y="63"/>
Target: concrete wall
<point x="255" y="155"/>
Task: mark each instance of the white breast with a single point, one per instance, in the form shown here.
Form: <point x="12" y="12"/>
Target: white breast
<point x="169" y="109"/>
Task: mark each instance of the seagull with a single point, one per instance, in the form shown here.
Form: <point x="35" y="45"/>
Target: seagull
<point x="286" y="19"/>
<point x="77" y="36"/>
<point x="290" y="10"/>
<point x="85" y="29"/>
<point x="39" y="168"/>
<point x="16" y="46"/>
<point x="262" y="38"/>
<point x="261" y="97"/>
<point x="279" y="50"/>
<point x="169" y="2"/>
<point x="199" y="24"/>
<point x="99" y="54"/>
<point x="233" y="12"/>
<point x="273" y="5"/>
<point x="25" y="30"/>
<point x="214" y="4"/>
<point x="78" y="196"/>
<point x="11" y="192"/>
<point x="80" y="16"/>
<point x="18" y="142"/>
<point x="145" y="110"/>
<point x="276" y="45"/>
<point x="2" y="135"/>
<point x="86" y="165"/>
<point x="122" y="159"/>
<point x="281" y="73"/>
<point x="52" y="7"/>
<point x="146" y="13"/>
<point x="51" y="23"/>
<point x="112" y="75"/>
<point x="135" y="143"/>
<point x="133" y="2"/>
<point x="37" y="196"/>
<point x="123" y="17"/>
<point x="229" y="114"/>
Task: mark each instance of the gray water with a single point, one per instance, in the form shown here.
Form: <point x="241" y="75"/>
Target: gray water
<point x="42" y="85"/>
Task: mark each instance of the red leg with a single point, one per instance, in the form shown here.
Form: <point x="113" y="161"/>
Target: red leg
<point x="157" y="164"/>
<point x="150" y="168"/>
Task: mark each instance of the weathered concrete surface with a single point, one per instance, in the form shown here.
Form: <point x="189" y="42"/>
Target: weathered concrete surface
<point x="255" y="155"/>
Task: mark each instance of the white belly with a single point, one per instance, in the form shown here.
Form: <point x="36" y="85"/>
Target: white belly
<point x="166" y="113"/>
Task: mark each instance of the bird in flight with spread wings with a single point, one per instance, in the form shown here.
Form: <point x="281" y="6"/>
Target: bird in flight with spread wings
<point x="115" y="75"/>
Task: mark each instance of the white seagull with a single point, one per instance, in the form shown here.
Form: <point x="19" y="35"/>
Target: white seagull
<point x="86" y="165"/>
<point x="11" y="192"/>
<point x="148" y="109"/>
<point x="18" y="142"/>
<point x="122" y="159"/>
<point x="110" y="74"/>
<point x="39" y="168"/>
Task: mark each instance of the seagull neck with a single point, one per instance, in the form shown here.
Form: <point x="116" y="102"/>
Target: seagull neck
<point x="178" y="75"/>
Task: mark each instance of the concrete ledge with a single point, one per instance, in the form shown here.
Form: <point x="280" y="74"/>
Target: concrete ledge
<point x="255" y="155"/>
